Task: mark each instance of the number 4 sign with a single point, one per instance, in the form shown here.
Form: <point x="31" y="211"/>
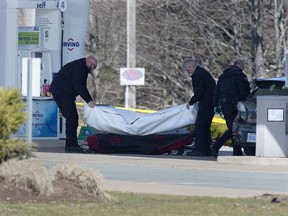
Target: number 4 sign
<point x="62" y="5"/>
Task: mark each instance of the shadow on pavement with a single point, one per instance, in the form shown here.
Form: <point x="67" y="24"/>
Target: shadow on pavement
<point x="57" y="146"/>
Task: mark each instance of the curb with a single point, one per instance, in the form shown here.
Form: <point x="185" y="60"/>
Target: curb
<point x="252" y="160"/>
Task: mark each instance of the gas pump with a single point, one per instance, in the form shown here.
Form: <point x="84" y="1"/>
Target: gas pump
<point x="56" y="36"/>
<point x="45" y="68"/>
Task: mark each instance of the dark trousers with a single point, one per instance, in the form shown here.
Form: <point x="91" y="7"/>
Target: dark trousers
<point x="68" y="109"/>
<point x="203" y="138"/>
<point x="230" y="112"/>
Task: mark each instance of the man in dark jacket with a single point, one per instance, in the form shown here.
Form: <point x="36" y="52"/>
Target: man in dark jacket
<point x="70" y="82"/>
<point x="232" y="86"/>
<point x="204" y="88"/>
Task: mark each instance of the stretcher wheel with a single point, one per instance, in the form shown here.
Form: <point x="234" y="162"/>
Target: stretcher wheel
<point x="177" y="152"/>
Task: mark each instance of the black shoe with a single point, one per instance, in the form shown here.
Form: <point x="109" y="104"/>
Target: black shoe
<point x="214" y="151"/>
<point x="195" y="153"/>
<point x="73" y="149"/>
<point x="238" y="154"/>
<point x="209" y="154"/>
<point x="237" y="151"/>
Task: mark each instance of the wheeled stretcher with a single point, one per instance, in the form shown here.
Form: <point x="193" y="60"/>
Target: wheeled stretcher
<point x="123" y="131"/>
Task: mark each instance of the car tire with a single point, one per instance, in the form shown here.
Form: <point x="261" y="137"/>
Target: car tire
<point x="249" y="150"/>
<point x="177" y="152"/>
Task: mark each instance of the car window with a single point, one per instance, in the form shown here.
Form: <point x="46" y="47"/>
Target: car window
<point x="268" y="86"/>
<point x="272" y="90"/>
<point x="266" y="83"/>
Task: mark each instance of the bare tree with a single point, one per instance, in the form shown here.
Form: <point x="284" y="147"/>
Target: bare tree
<point x="106" y="39"/>
<point x="175" y="30"/>
<point x="280" y="29"/>
<point x="257" y="38"/>
<point x="214" y="32"/>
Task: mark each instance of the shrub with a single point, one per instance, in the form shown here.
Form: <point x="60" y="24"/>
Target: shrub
<point x="67" y="182"/>
<point x="11" y="112"/>
<point x="89" y="180"/>
<point x="217" y="129"/>
<point x="11" y="118"/>
<point x="29" y="175"/>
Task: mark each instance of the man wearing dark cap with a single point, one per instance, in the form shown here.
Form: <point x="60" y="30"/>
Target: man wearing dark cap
<point x="70" y="82"/>
<point x="232" y="86"/>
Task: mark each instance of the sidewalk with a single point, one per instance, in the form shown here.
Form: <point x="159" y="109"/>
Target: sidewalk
<point x="124" y="171"/>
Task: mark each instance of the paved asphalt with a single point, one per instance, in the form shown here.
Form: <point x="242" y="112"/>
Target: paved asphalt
<point x="178" y="175"/>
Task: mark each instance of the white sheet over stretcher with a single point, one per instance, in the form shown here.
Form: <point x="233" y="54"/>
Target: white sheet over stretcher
<point x="118" y="121"/>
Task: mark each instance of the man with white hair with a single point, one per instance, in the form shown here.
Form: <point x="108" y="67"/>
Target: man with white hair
<point x="204" y="87"/>
<point x="70" y="82"/>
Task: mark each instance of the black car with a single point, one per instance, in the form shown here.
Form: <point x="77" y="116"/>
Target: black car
<point x="244" y="126"/>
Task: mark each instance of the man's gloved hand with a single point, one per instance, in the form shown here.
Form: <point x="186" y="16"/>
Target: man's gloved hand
<point x="217" y="110"/>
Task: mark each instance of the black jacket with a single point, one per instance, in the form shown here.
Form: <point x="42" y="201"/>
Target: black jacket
<point x="203" y="86"/>
<point x="71" y="81"/>
<point x="233" y="85"/>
